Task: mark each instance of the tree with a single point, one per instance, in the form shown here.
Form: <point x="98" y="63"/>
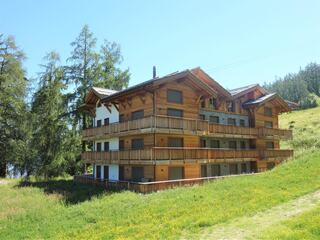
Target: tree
<point x="111" y="76"/>
<point x="12" y="94"/>
<point x="50" y="128"/>
<point x="83" y="71"/>
<point x="311" y="75"/>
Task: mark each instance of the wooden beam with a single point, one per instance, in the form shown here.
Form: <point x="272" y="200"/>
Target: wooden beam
<point x="142" y="98"/>
<point x="116" y="106"/>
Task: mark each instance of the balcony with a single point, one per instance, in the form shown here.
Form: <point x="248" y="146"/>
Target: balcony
<point x="169" y="155"/>
<point x="173" y="125"/>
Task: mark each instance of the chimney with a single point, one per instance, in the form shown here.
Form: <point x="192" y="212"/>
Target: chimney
<point x="154" y="72"/>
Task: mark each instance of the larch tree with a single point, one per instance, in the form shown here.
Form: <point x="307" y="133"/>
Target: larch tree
<point x="12" y="95"/>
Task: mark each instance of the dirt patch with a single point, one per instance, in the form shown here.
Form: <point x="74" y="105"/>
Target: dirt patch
<point x="3" y="182"/>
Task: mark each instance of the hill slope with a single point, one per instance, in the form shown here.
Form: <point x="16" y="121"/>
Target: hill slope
<point x="60" y="209"/>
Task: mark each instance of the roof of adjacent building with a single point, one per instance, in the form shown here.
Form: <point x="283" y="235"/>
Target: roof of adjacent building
<point x="103" y="92"/>
<point x="259" y="100"/>
<point x="242" y="89"/>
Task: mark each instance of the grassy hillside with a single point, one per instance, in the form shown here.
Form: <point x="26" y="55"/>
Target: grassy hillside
<point x="60" y="209"/>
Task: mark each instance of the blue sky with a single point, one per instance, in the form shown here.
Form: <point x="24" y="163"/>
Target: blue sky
<point x="236" y="42"/>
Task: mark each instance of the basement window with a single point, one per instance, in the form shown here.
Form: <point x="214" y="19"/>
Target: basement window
<point x="176" y="173"/>
<point x="99" y="147"/>
<point x="106" y="121"/>
<point x="232" y="144"/>
<point x="106" y="146"/>
<point x="233" y="167"/>
<point x="174" y="112"/>
<point x="232" y="121"/>
<point x="98" y="123"/>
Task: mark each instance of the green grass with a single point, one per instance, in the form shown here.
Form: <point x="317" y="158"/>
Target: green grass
<point x="305" y="226"/>
<point x="60" y="209"/>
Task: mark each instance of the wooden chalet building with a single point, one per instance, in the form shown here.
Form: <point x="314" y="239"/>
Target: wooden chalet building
<point x="181" y="126"/>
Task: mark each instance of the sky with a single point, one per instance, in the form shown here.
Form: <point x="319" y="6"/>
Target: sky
<point x="236" y="42"/>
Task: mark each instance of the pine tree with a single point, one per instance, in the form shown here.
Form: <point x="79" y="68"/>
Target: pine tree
<point x="12" y="95"/>
<point x="49" y="109"/>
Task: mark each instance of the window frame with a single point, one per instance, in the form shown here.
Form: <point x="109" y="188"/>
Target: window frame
<point x="175" y="109"/>
<point x="139" y="141"/>
<point x="104" y="146"/>
<point x="268" y="111"/>
<point x="133" y="117"/>
<point x="266" y="124"/>
<point x="170" y="99"/>
<point x="106" y="121"/>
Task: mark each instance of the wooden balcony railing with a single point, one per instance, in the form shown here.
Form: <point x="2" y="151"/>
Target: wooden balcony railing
<point x="166" y="124"/>
<point x="155" y="154"/>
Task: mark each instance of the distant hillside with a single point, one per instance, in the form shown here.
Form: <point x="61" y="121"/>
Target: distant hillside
<point x="60" y="209"/>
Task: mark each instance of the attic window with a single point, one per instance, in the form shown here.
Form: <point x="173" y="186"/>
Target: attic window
<point x="268" y="111"/>
<point x="174" y="96"/>
<point x="213" y="103"/>
<point x="230" y="106"/>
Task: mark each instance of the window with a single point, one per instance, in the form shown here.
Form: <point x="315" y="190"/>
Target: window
<point x="203" y="143"/>
<point x="106" y="146"/>
<point x="242" y="123"/>
<point x="202" y="117"/>
<point x="268" y="111"/>
<point x="232" y="121"/>
<point x="106" y="121"/>
<point x="215" y="170"/>
<point x="232" y="144"/>
<point x="175" y="142"/>
<point x="203" y="103"/>
<point x="99" y="147"/>
<point x="106" y="172"/>
<point x="121" y="118"/>
<point x="137" y="143"/>
<point x="215" y="144"/>
<point x="230" y="106"/>
<point x="174" y="112"/>
<point x="270" y="165"/>
<point x="244" y="168"/>
<point x="176" y="173"/>
<point x="98" y="123"/>
<point x="268" y="124"/>
<point x="269" y="145"/>
<point x="137" y="173"/>
<point x="243" y="145"/>
<point x="174" y="96"/>
<point x="203" y="170"/>
<point x="121" y="173"/>
<point x="214" y="119"/>
<point x="233" y="167"/>
<point x="98" y="171"/>
<point x="137" y="115"/>
<point x="213" y="103"/>
<point x="121" y="144"/>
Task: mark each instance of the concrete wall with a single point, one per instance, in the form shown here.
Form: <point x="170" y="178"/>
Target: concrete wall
<point x="113" y="144"/>
<point x="102" y="113"/>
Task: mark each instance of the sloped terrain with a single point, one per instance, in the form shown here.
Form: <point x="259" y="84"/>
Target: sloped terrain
<point x="60" y="209"/>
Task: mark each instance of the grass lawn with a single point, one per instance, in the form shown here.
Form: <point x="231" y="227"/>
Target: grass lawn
<point x="305" y="226"/>
<point x="60" y="209"/>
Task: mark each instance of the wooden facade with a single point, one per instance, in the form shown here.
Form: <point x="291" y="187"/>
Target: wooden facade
<point x="161" y="129"/>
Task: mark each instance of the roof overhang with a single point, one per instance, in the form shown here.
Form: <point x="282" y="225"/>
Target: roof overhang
<point x="155" y="83"/>
<point x="274" y="98"/>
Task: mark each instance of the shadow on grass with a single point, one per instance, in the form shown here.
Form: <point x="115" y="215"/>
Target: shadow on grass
<point x="70" y="192"/>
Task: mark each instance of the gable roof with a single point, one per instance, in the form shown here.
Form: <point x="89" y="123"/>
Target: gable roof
<point x="203" y="76"/>
<point x="157" y="81"/>
<point x="238" y="92"/>
<point x="266" y="98"/>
